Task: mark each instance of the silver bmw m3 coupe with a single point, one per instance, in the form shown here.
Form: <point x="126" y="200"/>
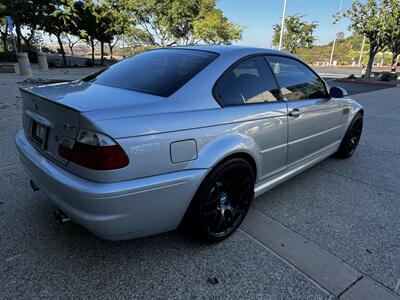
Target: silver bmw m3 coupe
<point x="184" y="136"/>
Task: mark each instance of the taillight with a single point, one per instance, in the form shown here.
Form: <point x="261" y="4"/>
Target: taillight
<point x="93" y="150"/>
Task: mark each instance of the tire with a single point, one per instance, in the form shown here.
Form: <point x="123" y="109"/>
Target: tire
<point x="221" y="202"/>
<point x="352" y="137"/>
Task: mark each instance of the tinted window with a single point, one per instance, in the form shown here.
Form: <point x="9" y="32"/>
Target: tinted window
<point x="160" y="72"/>
<point x="297" y="81"/>
<point x="250" y="81"/>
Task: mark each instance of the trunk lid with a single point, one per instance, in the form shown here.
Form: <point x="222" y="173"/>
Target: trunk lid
<point x="57" y="110"/>
<point x="84" y="96"/>
<point x="46" y="122"/>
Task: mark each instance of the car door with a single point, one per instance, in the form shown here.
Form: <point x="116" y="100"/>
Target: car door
<point x="314" y="121"/>
<point x="250" y="88"/>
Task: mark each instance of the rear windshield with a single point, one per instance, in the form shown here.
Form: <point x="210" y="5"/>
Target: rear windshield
<point x="160" y="72"/>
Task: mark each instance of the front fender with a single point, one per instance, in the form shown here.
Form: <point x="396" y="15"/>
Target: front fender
<point x="355" y="107"/>
<point x="224" y="146"/>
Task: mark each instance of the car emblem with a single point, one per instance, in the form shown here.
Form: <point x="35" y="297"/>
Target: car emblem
<point x="68" y="126"/>
<point x="223" y="198"/>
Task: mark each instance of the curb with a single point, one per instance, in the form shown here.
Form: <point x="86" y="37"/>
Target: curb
<point x="370" y="82"/>
<point x="332" y="274"/>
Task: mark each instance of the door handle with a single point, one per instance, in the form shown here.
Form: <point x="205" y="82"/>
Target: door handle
<point x="295" y="112"/>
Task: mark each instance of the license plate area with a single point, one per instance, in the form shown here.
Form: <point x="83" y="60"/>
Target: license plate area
<point x="39" y="134"/>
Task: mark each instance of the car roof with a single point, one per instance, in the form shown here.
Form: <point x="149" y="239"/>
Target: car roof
<point x="230" y="49"/>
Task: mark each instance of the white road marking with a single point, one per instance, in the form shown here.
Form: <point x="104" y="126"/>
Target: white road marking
<point x="13" y="257"/>
<point x="333" y="75"/>
<point x="396" y="289"/>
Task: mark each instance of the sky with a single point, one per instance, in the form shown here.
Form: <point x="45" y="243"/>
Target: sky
<point x="258" y="16"/>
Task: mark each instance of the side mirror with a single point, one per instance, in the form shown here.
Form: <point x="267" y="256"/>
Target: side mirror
<point x="337" y="92"/>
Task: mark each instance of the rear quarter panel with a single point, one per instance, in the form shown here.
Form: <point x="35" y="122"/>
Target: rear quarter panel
<point x="146" y="132"/>
<point x="218" y="133"/>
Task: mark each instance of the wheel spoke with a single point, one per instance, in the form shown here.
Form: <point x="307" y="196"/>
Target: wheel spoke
<point x="212" y="201"/>
<point x="225" y="223"/>
<point x="210" y="213"/>
<point x="221" y="220"/>
<point x="245" y="190"/>
<point x="240" y="190"/>
<point x="238" y="210"/>
<point x="240" y="200"/>
<point x="236" y="199"/>
<point x="218" y="187"/>
<point x="229" y="177"/>
<point x="243" y="186"/>
<point x="214" y="221"/>
<point x="355" y="135"/>
<point x="350" y="146"/>
<point x="214" y="194"/>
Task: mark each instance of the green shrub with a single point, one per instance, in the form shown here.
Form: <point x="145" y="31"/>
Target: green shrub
<point x="8" y="57"/>
<point x="393" y="76"/>
<point x="385" y="77"/>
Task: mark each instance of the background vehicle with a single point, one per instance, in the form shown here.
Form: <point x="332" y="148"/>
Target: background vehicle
<point x="181" y="136"/>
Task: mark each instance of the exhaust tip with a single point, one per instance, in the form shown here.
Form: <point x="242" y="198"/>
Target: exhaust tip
<point x="61" y="217"/>
<point x="33" y="185"/>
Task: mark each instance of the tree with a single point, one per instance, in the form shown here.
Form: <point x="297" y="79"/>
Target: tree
<point x="173" y="22"/>
<point x="368" y="19"/>
<point x="105" y="19"/>
<point x="72" y="40"/>
<point x="297" y="33"/>
<point x="18" y="11"/>
<point x="4" y="33"/>
<point x="392" y="29"/>
<point x="121" y="22"/>
<point x="340" y="35"/>
<point x="136" y="37"/>
<point x="57" y="20"/>
<point x="215" y="29"/>
<point x="26" y="14"/>
<point x="86" y="23"/>
<point x="3" y="25"/>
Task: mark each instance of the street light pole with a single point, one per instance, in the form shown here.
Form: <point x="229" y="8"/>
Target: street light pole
<point x="361" y="51"/>
<point x="123" y="46"/>
<point x="337" y="31"/>
<point x="282" y="26"/>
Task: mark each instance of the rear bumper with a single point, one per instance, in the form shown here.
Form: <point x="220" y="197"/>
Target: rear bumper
<point x="114" y="211"/>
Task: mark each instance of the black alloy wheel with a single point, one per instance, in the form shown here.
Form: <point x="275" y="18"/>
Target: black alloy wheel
<point x="352" y="137"/>
<point x="222" y="202"/>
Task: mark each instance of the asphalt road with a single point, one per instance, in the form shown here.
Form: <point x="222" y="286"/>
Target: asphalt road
<point x="353" y="88"/>
<point x="348" y="208"/>
<point x="340" y="72"/>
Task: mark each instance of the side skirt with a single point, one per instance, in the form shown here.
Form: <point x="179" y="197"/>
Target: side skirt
<point x="272" y="182"/>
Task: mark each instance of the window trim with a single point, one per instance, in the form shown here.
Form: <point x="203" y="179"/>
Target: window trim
<point x="328" y="97"/>
<point x="230" y="68"/>
<point x="264" y="56"/>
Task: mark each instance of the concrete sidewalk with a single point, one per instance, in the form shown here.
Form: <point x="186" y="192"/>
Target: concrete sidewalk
<point x="345" y="212"/>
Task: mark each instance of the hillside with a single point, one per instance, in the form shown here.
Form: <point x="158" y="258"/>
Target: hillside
<point x="347" y="50"/>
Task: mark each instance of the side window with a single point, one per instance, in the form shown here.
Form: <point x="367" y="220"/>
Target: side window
<point x="297" y="81"/>
<point x="250" y="81"/>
